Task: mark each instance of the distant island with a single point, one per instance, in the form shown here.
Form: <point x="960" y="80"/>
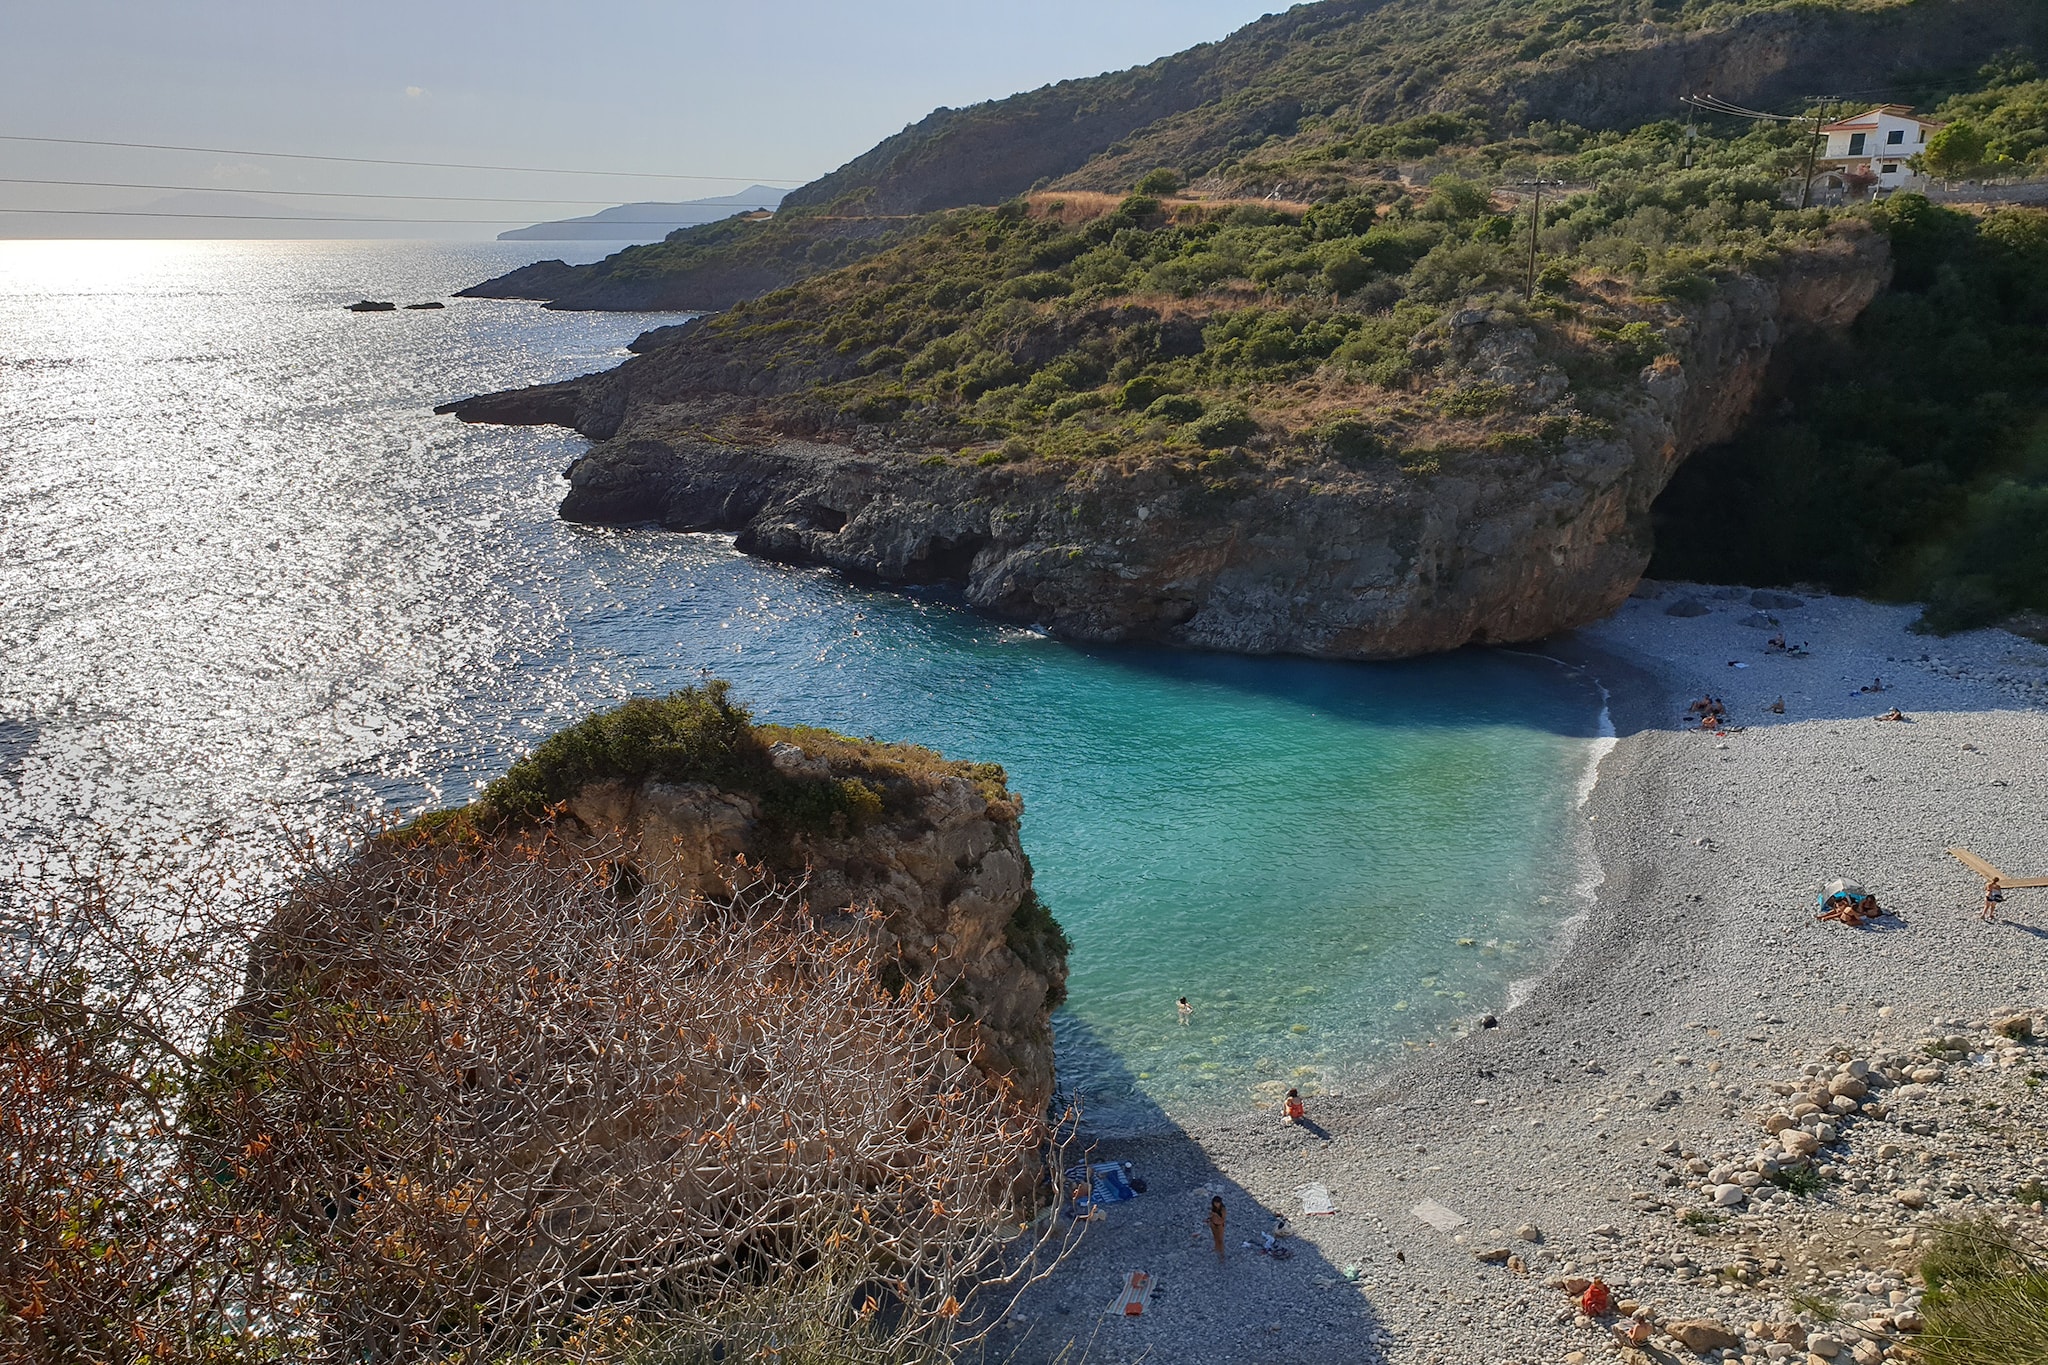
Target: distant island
<point x="648" y="222"/>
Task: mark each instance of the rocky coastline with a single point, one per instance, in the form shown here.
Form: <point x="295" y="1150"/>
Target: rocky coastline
<point x="1328" y="556"/>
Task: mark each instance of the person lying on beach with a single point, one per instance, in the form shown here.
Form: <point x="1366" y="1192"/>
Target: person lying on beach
<point x="1776" y="644"/>
<point x="1894" y="714"/>
<point x="1853" y="913"/>
<point x="1993" y="894"/>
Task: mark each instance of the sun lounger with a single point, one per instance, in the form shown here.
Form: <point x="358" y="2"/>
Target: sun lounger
<point x="1987" y="872"/>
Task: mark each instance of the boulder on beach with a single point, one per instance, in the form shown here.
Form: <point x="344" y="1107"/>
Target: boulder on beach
<point x="1687" y="606"/>
<point x="1775" y="601"/>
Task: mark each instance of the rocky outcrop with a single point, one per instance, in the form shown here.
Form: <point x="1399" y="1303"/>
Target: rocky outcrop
<point x="942" y="862"/>
<point x="1325" y="557"/>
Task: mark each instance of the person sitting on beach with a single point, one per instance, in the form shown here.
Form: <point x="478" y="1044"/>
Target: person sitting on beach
<point x="1994" y="893"/>
<point x="1186" y="1010"/>
<point x="1777" y="643"/>
<point x="1291" y="1110"/>
<point x="1894" y="714"/>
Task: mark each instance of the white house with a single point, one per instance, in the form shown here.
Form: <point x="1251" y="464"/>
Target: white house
<point x="1871" y="152"/>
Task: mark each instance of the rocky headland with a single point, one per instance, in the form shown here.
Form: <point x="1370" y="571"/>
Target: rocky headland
<point x="1322" y="553"/>
<point x="929" y="846"/>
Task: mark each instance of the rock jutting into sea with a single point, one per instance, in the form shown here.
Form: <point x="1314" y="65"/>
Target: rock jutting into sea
<point x="1340" y="557"/>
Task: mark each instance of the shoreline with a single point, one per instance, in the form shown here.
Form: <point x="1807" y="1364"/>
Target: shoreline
<point x="1696" y="981"/>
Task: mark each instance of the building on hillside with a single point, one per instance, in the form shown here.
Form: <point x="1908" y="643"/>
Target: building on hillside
<point x="1870" y="155"/>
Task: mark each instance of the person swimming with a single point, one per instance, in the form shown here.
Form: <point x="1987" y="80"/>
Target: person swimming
<point x="1185" y="1010"/>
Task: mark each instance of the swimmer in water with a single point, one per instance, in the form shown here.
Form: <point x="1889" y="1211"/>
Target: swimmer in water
<point x="1187" y="1011"/>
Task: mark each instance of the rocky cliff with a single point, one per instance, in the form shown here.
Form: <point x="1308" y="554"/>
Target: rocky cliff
<point x="932" y="845"/>
<point x="1337" y="557"/>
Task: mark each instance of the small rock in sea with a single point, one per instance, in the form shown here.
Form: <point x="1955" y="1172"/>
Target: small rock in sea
<point x="1775" y="601"/>
<point x="1687" y="606"/>
<point x="421" y="307"/>
<point x="372" y="306"/>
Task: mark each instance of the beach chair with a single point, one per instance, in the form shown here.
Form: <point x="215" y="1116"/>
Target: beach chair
<point x="1985" y="870"/>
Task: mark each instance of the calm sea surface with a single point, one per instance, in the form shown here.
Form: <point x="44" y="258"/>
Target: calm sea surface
<point x="248" y="578"/>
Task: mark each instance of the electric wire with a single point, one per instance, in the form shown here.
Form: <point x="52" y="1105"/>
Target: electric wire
<point x="307" y="194"/>
<point x="386" y="161"/>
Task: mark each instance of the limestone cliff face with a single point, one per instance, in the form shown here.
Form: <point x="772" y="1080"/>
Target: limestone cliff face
<point x="943" y="864"/>
<point x="1361" y="560"/>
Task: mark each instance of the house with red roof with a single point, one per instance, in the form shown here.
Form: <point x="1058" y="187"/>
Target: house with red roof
<point x="1871" y="153"/>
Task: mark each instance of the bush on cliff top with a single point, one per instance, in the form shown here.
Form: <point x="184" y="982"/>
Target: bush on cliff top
<point x="700" y="734"/>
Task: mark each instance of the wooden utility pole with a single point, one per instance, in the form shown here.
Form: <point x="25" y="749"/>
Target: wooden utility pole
<point x="1535" y="229"/>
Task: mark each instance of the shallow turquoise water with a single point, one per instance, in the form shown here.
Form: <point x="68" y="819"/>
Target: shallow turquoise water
<point x="253" y="580"/>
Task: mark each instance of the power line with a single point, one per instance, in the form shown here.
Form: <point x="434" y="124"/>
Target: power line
<point x="316" y="218"/>
<point x="383" y="161"/>
<point x="307" y="194"/>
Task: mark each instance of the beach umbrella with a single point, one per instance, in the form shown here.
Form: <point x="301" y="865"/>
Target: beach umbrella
<point x="1841" y="887"/>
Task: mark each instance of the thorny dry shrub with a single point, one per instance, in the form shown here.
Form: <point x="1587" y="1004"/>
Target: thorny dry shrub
<point x="108" y="1247"/>
<point x="477" y="1107"/>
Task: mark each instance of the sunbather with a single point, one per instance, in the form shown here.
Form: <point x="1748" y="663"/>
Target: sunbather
<point x="1994" y="893"/>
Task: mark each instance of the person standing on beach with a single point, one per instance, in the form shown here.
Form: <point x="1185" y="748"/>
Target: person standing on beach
<point x="1187" y="1011"/>
<point x="1993" y="894"/>
<point x="1216" y="1222"/>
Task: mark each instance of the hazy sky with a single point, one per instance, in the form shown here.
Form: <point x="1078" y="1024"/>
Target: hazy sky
<point x="776" y="92"/>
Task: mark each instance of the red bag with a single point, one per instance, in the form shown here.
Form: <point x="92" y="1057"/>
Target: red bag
<point x="1597" y="1301"/>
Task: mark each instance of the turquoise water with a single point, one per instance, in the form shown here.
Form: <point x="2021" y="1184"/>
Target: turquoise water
<point x="256" y="582"/>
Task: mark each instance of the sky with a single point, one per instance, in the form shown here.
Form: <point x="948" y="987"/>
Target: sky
<point x="768" y="91"/>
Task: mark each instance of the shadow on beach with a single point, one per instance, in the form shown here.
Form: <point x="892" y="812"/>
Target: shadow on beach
<point x="1249" y="1307"/>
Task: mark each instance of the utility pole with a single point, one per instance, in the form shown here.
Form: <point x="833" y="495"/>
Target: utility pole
<point x="1535" y="228"/>
<point x="1812" y="158"/>
<point x="1713" y="104"/>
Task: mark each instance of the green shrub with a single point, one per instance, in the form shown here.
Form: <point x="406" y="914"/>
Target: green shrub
<point x="1349" y="438"/>
<point x="1160" y="182"/>
<point x="1987" y="1298"/>
<point x="1226" y="424"/>
<point x="1177" y="407"/>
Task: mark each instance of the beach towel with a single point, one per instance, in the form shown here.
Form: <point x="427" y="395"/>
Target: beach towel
<point x="1136" y="1298"/>
<point x="1107" y="1178"/>
<point x="1315" y="1199"/>
<point x="1437" y="1216"/>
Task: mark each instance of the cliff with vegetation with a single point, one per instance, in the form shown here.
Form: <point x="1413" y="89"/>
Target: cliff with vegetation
<point x="1347" y="387"/>
<point x="925" y="847"/>
<point x="1306" y="102"/>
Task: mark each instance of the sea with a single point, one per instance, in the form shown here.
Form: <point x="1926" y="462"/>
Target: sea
<point x="250" y="584"/>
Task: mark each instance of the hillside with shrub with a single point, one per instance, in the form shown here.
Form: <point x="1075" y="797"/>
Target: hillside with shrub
<point x="1204" y="297"/>
<point x="1316" y="99"/>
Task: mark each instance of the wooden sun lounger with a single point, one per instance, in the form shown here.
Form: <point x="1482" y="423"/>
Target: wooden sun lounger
<point x="1987" y="872"/>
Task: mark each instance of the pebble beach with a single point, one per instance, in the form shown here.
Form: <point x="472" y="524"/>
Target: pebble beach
<point x="1740" y="1120"/>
